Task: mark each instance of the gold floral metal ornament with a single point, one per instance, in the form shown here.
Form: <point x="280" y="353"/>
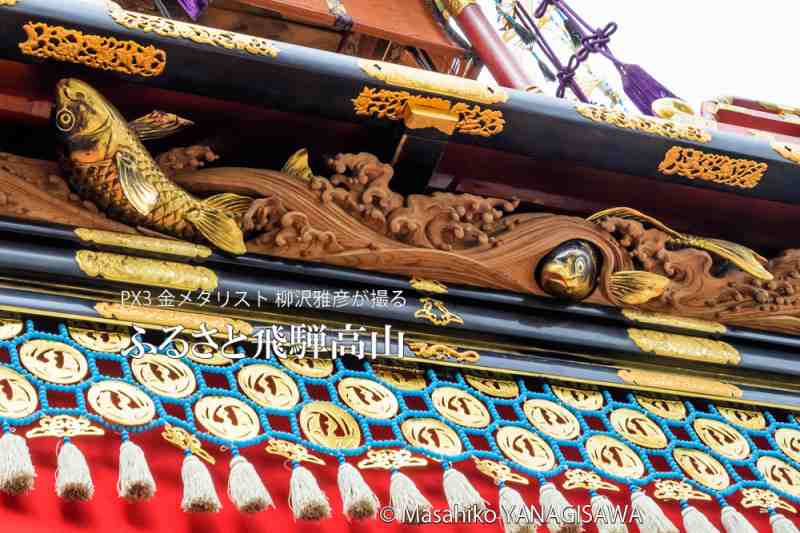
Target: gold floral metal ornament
<point x="584" y="479"/>
<point x="141" y="243"/>
<point x="95" y="51"/>
<point x="491" y="385"/>
<point x="268" y="386"/>
<point x="716" y="168"/>
<point x="390" y="459"/>
<point x="743" y="417"/>
<point x="53" y="361"/>
<point x="612" y="456"/>
<point x="121" y="403"/>
<point x="198" y="34"/>
<point x="582" y="399"/>
<point x="368" y="398"/>
<point x="19" y="398"/>
<point x="498" y="472"/>
<point x="107" y="340"/>
<point x="665" y="408"/>
<point x="443" y="352"/>
<point x="327" y="424"/>
<point x="552" y="419"/>
<point x="671" y="490"/>
<point x="460" y="407"/>
<point x="227" y="418"/>
<point x="410" y="379"/>
<point x="638" y="428"/>
<point x="10" y="328"/>
<point x="525" y="448"/>
<point x="437" y="313"/>
<point x="164" y="375"/>
<point x="788" y="440"/>
<point x="684" y="347"/>
<point x="180" y="438"/>
<point x="722" y="438"/>
<point x="428" y="285"/>
<point x="141" y="271"/>
<point x="432" y="435"/>
<point x="292" y="451"/>
<point x="702" y="468"/>
<point x="61" y="426"/>
<point x="392" y="105"/>
<point x="310" y="367"/>
<point x="651" y="125"/>
<point x="678" y="322"/>
<point x="780" y="475"/>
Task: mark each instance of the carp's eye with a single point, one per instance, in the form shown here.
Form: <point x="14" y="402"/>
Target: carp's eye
<point x="65" y="120"/>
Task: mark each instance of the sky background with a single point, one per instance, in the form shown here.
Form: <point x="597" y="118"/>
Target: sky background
<point x="702" y="49"/>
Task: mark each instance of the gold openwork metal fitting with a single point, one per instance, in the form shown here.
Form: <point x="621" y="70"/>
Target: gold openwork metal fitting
<point x="436" y="313"/>
<point x="292" y="451"/>
<point x="268" y="386"/>
<point x="390" y="459"/>
<point x="654" y="126"/>
<point x="121" y="403"/>
<point x="780" y="475"/>
<point x="310" y="367"/>
<point x="61" y="426"/>
<point x="638" y="428"/>
<point x="184" y="440"/>
<point x="552" y="419"/>
<point x="164" y="375"/>
<point x="443" y="352"/>
<point x="525" y="448"/>
<point x="428" y="285"/>
<point x="53" y="361"/>
<point x="582" y="399"/>
<point x="327" y="424"/>
<point x="722" y="438"/>
<point x="227" y="418"/>
<point x="460" y="407"/>
<point x="431" y="434"/>
<point x="108" y="339"/>
<point x="684" y="347"/>
<point x="410" y="379"/>
<point x="715" y="168"/>
<point x="10" y="328"/>
<point x="672" y="490"/>
<point x="491" y="384"/>
<point x="19" y="398"/>
<point x="614" y="457"/>
<point x="498" y="472"/>
<point x="584" y="479"/>
<point x="764" y="499"/>
<point x="788" y="440"/>
<point x="143" y="271"/>
<point x="703" y="468"/>
<point x="141" y="243"/>
<point x="665" y="408"/>
<point x="745" y="418"/>
<point x="368" y="398"/>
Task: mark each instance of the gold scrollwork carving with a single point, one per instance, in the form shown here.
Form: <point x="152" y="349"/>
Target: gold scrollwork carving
<point x="669" y="489"/>
<point x="292" y="451"/>
<point x="198" y="34"/>
<point x="679" y="322"/>
<point x="787" y="150"/>
<point x="443" y="352"/>
<point x="428" y="285"/>
<point x="169" y="317"/>
<point x="390" y="459"/>
<point x="184" y="440"/>
<point x="472" y="120"/>
<point x="95" y="51"/>
<point x="498" y="472"/>
<point x="64" y="426"/>
<point x="441" y="316"/>
<point x="685" y="347"/>
<point x="651" y="125"/>
<point x="716" y="168"/>
<point x="584" y="479"/>
<point x="142" y="243"/>
<point x="141" y="271"/>
<point x="434" y="82"/>
<point x="679" y="383"/>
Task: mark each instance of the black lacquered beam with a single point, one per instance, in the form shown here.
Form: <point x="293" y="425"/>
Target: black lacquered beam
<point x="299" y="79"/>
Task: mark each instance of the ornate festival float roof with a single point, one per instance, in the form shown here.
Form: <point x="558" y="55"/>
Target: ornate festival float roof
<point x="470" y="232"/>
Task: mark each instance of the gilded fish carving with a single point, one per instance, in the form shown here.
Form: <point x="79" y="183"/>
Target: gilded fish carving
<point x="109" y="166"/>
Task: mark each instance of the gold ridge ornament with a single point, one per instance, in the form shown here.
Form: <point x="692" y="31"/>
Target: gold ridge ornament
<point x="53" y="361"/>
<point x="310" y="367"/>
<point x="665" y="408"/>
<point x="491" y="385"/>
<point x="97" y="340"/>
<point x="525" y="448"/>
<point x="164" y="375"/>
<point x="410" y="379"/>
<point x="552" y="419"/>
<point x="780" y="475"/>
<point x="10" y="328"/>
<point x="227" y="418"/>
<point x="743" y="417"/>
<point x="327" y="424"/>
<point x="581" y="399"/>
<point x="703" y="468"/>
<point x="268" y="386"/>
<point x="18" y="398"/>
<point x="612" y="456"/>
<point x="432" y="435"/>
<point x="722" y="438"/>
<point x="368" y="398"/>
<point x="460" y="407"/>
<point x="788" y="440"/>
<point x="638" y="428"/>
<point x="121" y="403"/>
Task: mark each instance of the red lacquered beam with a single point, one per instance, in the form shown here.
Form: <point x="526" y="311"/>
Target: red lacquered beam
<point x="487" y="43"/>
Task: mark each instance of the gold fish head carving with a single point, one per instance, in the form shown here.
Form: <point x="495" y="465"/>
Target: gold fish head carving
<point x="570" y="270"/>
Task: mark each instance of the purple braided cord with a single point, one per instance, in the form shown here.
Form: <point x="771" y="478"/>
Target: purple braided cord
<point x="193" y="7"/>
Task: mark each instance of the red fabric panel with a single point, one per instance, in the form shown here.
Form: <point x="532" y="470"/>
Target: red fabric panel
<point x="43" y="511"/>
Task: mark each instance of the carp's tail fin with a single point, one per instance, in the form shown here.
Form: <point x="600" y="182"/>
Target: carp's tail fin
<point x="217" y="219"/>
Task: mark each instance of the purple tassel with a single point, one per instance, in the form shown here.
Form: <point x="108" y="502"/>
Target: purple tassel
<point x="641" y="87"/>
<point x="193" y="7"/>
